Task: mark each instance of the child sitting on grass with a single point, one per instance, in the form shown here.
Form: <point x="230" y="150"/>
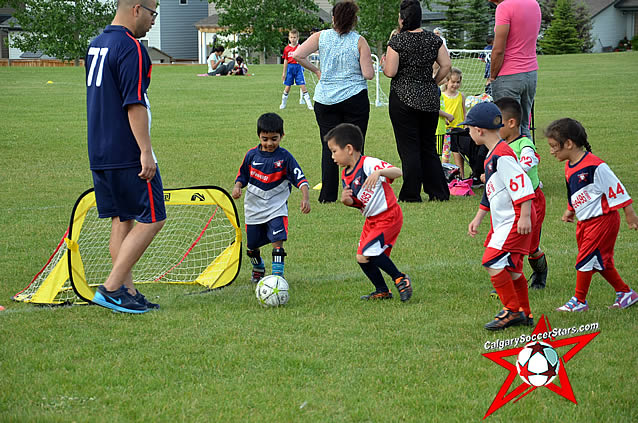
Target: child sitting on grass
<point x="594" y="196"/>
<point x="366" y="186"/>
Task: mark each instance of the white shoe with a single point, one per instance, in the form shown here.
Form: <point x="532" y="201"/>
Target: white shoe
<point x="310" y="106"/>
<point x="282" y="106"/>
<point x="301" y="101"/>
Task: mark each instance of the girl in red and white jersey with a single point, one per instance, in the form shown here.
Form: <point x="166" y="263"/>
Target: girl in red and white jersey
<point x="594" y="196"/>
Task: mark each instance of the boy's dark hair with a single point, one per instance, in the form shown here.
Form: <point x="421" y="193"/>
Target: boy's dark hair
<point x="345" y="16"/>
<point x="270" y="122"/>
<point x="239" y="59"/>
<point x="219" y="49"/>
<point x="510" y="109"/>
<point x="563" y="129"/>
<point x="344" y="134"/>
<point x="489" y="40"/>
<point x="410" y="12"/>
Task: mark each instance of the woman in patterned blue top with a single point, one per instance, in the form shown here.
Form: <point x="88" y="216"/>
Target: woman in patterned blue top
<point x="341" y="95"/>
<point x="414" y="103"/>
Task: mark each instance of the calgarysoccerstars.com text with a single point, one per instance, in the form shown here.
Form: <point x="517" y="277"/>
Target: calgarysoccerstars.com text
<point x="525" y="339"/>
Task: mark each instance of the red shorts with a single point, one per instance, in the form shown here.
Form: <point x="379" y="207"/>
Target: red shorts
<point x="596" y="238"/>
<point x="539" y="207"/>
<point x="499" y="259"/>
<point x="380" y="232"/>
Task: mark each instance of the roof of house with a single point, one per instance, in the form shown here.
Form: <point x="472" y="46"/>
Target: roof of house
<point x="597" y="6"/>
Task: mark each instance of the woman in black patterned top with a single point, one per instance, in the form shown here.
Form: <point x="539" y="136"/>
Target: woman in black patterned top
<point x="414" y="103"/>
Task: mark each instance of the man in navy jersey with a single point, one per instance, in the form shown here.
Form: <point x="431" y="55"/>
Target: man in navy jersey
<point x="128" y="186"/>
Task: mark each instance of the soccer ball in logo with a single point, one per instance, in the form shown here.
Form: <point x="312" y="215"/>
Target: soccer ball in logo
<point x="272" y="291"/>
<point x="537" y="363"/>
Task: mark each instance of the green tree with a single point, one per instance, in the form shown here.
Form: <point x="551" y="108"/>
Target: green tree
<point x="377" y="19"/>
<point x="561" y="37"/>
<point x="582" y="15"/>
<point x="454" y="23"/>
<point x="262" y="25"/>
<point x="477" y="16"/>
<point x="60" y="28"/>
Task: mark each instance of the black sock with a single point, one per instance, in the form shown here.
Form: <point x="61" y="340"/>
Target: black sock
<point x="384" y="263"/>
<point x="374" y="274"/>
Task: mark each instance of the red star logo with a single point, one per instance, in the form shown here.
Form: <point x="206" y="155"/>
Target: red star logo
<point x="582" y="176"/>
<point x="279" y="163"/>
<point x="565" y="388"/>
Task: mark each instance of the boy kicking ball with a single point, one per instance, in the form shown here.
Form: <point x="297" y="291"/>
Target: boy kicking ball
<point x="508" y="198"/>
<point x="366" y="186"/>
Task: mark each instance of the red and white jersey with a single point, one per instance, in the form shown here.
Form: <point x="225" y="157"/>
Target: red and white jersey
<point x="593" y="189"/>
<point x="288" y="51"/>
<point x="373" y="201"/>
<point x="507" y="186"/>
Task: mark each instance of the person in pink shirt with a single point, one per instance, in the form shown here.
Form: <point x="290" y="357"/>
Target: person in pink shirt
<point x="514" y="67"/>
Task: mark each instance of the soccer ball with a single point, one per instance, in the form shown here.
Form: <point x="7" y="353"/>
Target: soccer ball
<point x="272" y="291"/>
<point x="473" y="100"/>
<point x="537" y="363"/>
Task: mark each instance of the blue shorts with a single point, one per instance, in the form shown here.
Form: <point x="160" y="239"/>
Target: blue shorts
<point x="274" y="230"/>
<point x="121" y="193"/>
<point x="294" y="74"/>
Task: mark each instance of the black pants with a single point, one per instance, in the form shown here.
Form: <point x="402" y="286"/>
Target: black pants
<point x="355" y="110"/>
<point x="461" y="142"/>
<point x="414" y="131"/>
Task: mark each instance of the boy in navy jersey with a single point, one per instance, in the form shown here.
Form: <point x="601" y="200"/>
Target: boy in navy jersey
<point x="508" y="198"/>
<point x="127" y="182"/>
<point x="268" y="173"/>
<point x="366" y="186"/>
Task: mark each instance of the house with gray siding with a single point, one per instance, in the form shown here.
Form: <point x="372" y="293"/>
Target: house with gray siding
<point x="612" y="20"/>
<point x="174" y="31"/>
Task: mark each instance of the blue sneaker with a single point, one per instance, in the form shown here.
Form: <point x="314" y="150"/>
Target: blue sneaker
<point x="119" y="300"/>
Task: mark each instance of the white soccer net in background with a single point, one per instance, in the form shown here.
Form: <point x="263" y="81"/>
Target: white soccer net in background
<point x="376" y="92"/>
<point x="473" y="65"/>
<point x="471" y="62"/>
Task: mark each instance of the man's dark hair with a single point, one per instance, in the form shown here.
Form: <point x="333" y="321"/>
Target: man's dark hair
<point x="270" y="122"/>
<point x="345" y="16"/>
<point x="344" y="134"/>
<point x="410" y="12"/>
<point x="510" y="109"/>
<point x="219" y="49"/>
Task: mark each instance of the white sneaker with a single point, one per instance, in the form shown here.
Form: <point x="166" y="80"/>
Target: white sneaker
<point x="282" y="105"/>
<point x="574" y="305"/>
<point x="284" y="101"/>
<point x="301" y="100"/>
<point x="309" y="102"/>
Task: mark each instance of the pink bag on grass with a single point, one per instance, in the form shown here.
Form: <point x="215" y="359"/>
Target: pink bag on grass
<point x="461" y="187"/>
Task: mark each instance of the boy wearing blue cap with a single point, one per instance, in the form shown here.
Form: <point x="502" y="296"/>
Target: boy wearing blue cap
<point x="508" y="198"/>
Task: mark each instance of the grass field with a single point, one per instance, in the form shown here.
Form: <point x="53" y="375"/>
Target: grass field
<point x="326" y="356"/>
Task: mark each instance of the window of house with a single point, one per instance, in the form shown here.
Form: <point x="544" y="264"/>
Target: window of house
<point x="183" y="2"/>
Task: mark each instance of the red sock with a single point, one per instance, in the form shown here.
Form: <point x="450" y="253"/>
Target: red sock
<point x="583" y="280"/>
<point x="504" y="287"/>
<point x="520" y="285"/>
<point x="611" y="275"/>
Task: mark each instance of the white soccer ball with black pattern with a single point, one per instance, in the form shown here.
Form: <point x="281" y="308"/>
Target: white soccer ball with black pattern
<point x="538" y="363"/>
<point x="272" y="291"/>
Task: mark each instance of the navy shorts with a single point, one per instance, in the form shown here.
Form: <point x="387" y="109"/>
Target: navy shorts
<point x="294" y="74"/>
<point x="267" y="233"/>
<point x="121" y="193"/>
